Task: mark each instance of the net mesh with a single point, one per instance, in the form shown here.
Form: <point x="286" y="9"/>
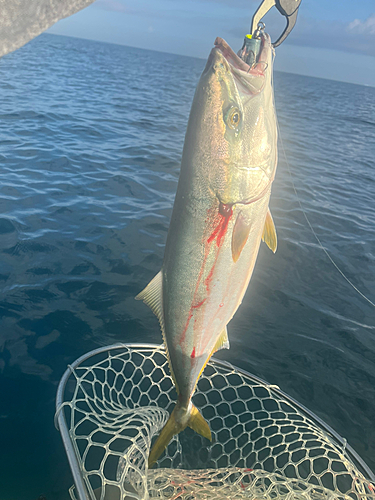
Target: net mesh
<point x="264" y="445"/>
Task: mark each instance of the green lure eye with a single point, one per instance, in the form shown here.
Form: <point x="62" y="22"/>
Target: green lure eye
<point x="233" y="118"/>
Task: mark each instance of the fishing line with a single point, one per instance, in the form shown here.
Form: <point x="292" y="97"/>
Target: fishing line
<point x="312" y="229"/>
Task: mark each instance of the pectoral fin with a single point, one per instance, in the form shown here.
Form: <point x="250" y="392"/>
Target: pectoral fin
<point x="240" y="234"/>
<point x="269" y="232"/>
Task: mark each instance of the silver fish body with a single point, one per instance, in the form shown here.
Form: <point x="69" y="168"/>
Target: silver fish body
<point x="219" y="217"/>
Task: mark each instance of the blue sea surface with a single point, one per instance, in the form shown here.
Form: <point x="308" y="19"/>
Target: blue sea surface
<point x="91" y="142"/>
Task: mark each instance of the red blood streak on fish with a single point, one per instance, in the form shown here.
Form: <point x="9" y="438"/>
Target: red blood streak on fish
<point x="193" y="353"/>
<point x="225" y="213"/>
<point x="216" y="230"/>
<point x="225" y="210"/>
<point x="187" y="325"/>
<point x="200" y="303"/>
<point x="196" y="306"/>
<point x="207" y="281"/>
<point x="223" y="229"/>
<point x="222" y="219"/>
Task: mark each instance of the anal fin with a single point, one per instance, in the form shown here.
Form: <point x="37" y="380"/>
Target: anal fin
<point x="222" y="342"/>
<point x="269" y="232"/>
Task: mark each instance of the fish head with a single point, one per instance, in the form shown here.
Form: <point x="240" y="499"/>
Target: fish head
<point x="235" y="123"/>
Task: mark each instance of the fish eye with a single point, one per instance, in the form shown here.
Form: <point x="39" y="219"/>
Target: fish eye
<point x="233" y="118"/>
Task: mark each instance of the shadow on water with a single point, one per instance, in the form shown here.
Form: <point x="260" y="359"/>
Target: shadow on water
<point x="90" y="157"/>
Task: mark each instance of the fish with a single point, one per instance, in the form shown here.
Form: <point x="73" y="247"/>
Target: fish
<point x="220" y="215"/>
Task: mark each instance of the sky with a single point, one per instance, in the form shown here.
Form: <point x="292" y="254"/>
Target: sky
<point x="332" y="39"/>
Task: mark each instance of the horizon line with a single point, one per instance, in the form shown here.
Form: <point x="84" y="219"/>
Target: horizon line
<point x="201" y="58"/>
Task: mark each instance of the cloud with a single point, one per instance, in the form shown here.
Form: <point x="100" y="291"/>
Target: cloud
<point x="355" y="37"/>
<point x="363" y="28"/>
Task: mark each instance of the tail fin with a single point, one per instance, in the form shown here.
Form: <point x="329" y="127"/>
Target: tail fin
<point x="172" y="427"/>
<point x="198" y="423"/>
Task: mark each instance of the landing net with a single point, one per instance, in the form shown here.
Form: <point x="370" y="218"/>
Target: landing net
<point x="112" y="402"/>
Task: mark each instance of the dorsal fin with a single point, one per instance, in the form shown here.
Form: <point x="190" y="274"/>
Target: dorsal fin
<point x="152" y="296"/>
<point x="269" y="232"/>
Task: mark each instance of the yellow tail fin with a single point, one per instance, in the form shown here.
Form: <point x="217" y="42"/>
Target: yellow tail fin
<point x="198" y="423"/>
<point x="172" y="427"/>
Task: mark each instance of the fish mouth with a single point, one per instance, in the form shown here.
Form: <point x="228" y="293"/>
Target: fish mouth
<point x="249" y="79"/>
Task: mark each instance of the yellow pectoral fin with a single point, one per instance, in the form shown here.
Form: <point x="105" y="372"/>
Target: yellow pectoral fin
<point x="240" y="234"/>
<point x="269" y="232"/>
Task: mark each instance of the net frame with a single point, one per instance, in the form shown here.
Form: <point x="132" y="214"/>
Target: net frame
<point x="205" y="478"/>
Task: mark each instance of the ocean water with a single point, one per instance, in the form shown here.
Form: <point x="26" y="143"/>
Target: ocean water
<point x="91" y="141"/>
